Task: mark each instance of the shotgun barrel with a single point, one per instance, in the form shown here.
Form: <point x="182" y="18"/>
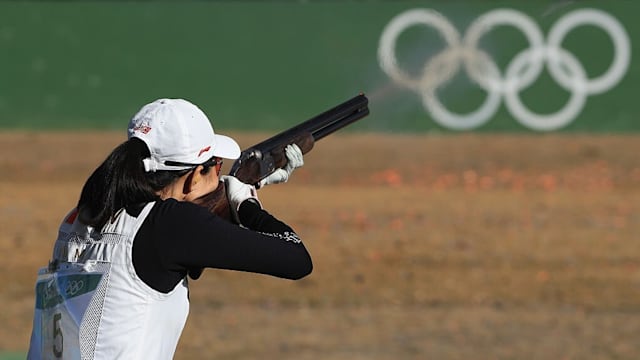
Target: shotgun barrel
<point x="323" y="124"/>
<point x="260" y="160"/>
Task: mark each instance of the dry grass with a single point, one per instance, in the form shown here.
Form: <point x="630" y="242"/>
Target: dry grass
<point x="425" y="247"/>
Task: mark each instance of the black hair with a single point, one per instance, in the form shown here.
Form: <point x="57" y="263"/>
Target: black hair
<point x="120" y="181"/>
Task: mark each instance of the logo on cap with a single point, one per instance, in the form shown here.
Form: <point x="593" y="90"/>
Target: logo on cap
<point x="142" y="128"/>
<point x="203" y="150"/>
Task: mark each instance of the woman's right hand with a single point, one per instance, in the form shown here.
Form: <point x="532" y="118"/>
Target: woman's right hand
<point x="237" y="193"/>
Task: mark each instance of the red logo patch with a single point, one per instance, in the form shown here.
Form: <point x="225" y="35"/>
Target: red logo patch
<point x="204" y="150"/>
<point x="142" y="128"/>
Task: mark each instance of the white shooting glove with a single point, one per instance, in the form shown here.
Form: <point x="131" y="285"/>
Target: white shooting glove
<point x="295" y="160"/>
<point x="237" y="193"/>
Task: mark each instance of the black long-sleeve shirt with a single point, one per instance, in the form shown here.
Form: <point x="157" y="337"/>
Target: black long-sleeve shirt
<point x="178" y="238"/>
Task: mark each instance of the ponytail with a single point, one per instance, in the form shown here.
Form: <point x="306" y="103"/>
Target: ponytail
<point x="120" y="181"/>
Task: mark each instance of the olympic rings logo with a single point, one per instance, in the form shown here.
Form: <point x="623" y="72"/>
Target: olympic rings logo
<point x="73" y="287"/>
<point x="523" y="70"/>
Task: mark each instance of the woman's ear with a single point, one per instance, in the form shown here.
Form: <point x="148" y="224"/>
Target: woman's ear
<point x="192" y="180"/>
<point x="198" y="184"/>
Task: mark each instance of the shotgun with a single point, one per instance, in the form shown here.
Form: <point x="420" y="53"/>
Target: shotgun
<point x="261" y="160"/>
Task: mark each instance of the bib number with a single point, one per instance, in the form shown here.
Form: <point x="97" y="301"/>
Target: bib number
<point x="62" y="300"/>
<point x="58" y="338"/>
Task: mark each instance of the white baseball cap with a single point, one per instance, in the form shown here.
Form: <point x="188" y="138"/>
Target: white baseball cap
<point x="177" y="131"/>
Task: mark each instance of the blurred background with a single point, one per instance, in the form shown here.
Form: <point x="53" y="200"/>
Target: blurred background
<point x="487" y="208"/>
<point x="259" y="65"/>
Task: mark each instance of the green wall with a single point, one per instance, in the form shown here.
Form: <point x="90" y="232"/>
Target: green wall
<point x="268" y="65"/>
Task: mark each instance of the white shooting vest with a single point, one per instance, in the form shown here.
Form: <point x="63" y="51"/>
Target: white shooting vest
<point x="91" y="304"/>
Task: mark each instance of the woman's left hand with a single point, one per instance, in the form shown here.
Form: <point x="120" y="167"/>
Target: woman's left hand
<point x="295" y="160"/>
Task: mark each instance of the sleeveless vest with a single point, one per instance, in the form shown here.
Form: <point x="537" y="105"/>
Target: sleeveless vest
<point x="91" y="304"/>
